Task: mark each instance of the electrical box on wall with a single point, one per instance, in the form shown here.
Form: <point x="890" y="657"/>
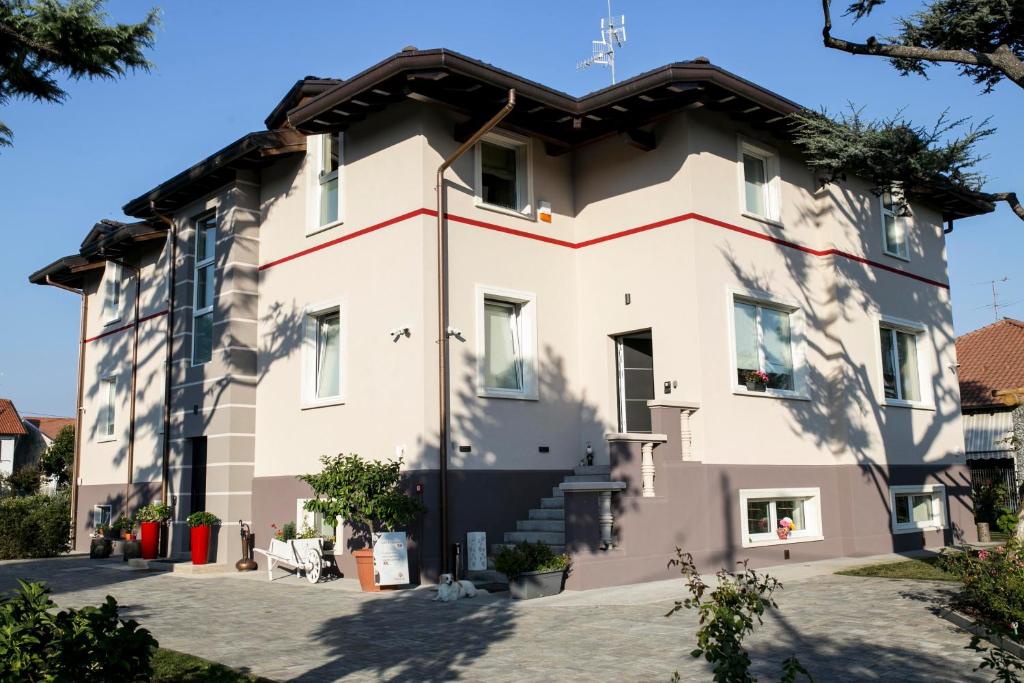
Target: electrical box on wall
<point x="544" y="211"/>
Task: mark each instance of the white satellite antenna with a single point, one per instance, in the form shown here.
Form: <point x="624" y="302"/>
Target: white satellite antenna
<point x="612" y="36"/>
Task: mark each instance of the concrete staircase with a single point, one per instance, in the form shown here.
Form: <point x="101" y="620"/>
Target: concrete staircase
<point x="547" y="522"/>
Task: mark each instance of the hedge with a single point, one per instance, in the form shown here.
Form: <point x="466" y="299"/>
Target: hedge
<point x="34" y="526"/>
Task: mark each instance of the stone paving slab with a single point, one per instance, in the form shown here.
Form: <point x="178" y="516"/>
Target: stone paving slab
<point x="842" y="628"/>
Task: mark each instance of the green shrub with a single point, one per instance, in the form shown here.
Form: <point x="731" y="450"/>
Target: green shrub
<point x="153" y="512"/>
<point x="25" y="481"/>
<point x="202" y="519"/>
<point x="992" y="585"/>
<point x="989" y="502"/>
<point x="122" y="524"/>
<point x="34" y="526"/>
<point x="86" y="645"/>
<point x="529" y="557"/>
<point x="1007" y="522"/>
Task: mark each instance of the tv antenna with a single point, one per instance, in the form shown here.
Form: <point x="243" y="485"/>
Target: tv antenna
<point x="996" y="305"/>
<point x="612" y="36"/>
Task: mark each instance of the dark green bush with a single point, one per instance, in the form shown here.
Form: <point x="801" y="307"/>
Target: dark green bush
<point x="86" y="645"/>
<point x="25" y="481"/>
<point x="34" y="526"/>
<point x="1007" y="523"/>
<point x="990" y="501"/>
<point x="528" y="557"/>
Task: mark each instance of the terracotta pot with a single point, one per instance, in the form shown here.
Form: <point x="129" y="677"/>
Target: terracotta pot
<point x="364" y="568"/>
<point x="150" y="537"/>
<point x="200" y="544"/>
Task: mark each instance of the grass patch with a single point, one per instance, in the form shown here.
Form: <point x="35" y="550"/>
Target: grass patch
<point x="171" y="665"/>
<point x="926" y="569"/>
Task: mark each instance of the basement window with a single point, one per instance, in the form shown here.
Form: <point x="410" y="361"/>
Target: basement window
<point x="761" y="510"/>
<point x="917" y="508"/>
<point x="503" y="175"/>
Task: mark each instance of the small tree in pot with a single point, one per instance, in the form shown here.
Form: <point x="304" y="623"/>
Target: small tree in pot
<point x="200" y="524"/>
<point x="150" y="517"/>
<point x="368" y="495"/>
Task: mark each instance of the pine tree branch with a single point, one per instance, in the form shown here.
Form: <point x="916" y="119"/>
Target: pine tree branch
<point x="1011" y="199"/>
<point x="1001" y="59"/>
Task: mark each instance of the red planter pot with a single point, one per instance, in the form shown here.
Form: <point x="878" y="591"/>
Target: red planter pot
<point x="200" y="544"/>
<point x="150" y="538"/>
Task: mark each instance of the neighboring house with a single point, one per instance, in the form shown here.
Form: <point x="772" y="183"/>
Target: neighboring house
<point x="614" y="267"/>
<point x="992" y="398"/>
<point x="12" y="432"/>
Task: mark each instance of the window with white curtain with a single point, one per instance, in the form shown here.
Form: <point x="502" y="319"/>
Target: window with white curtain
<point x="322" y="355"/>
<point x="506" y="347"/>
<point x="203" y="285"/>
<point x="764" y="342"/>
<point x="916" y="508"/>
<point x="901" y="376"/>
<point x="759" y="179"/>
<point x="113" y="276"/>
<point x="894" y="227"/>
<point x="107" y="417"/>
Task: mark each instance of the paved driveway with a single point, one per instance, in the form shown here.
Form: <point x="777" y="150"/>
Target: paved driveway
<point x="841" y="628"/>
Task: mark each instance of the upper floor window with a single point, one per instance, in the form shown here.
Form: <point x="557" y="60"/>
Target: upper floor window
<point x="324" y="159"/>
<point x="894" y="232"/>
<point x="108" y="409"/>
<point x="113" y="276"/>
<point x="760" y="181"/>
<point x="204" y="275"/>
<point x="901" y="376"/>
<point x="506" y="347"/>
<point x="322" y="356"/>
<point x="765" y="335"/>
<point x="502" y="174"/>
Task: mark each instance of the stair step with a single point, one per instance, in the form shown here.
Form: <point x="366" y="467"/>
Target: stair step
<point x="555" y="502"/>
<point x="547" y="513"/>
<point x="588" y="477"/>
<point x="592" y="469"/>
<point x="496" y="548"/>
<point x="549" y="537"/>
<point x="557" y="492"/>
<point x="541" y="525"/>
<point x="486" y="576"/>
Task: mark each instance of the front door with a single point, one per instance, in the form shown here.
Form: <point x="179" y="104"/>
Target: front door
<point x="635" y="362"/>
<point x="197" y="485"/>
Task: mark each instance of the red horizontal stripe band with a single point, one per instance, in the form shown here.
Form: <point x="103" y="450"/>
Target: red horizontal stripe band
<point x="609" y="237"/>
<point x="124" y="327"/>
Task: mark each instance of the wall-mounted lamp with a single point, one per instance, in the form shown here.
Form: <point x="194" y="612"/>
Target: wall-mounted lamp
<point x="628" y="298"/>
<point x="398" y="333"/>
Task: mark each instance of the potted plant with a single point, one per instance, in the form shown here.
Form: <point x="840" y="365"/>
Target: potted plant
<point x="150" y="517"/>
<point x="368" y="495"/>
<point x="756" y="380"/>
<point x="99" y="544"/>
<point x="533" y="570"/>
<point x="786" y="527"/>
<point x="200" y="524"/>
<point x="122" y="528"/>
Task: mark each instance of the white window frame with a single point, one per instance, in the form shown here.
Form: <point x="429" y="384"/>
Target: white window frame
<point x="901" y="221"/>
<point x="797" y="327"/>
<point x="927" y="401"/>
<point x="113" y="274"/>
<point x="812" y="516"/>
<point x="939" y="519"/>
<point x="315" y="520"/>
<point x="524" y="174"/>
<point x="313" y="312"/>
<point x="97" y="523"/>
<point x="314" y="163"/>
<point x="773" y="183"/>
<point x="526" y="303"/>
<point x="108" y="401"/>
<point x="210" y="260"/>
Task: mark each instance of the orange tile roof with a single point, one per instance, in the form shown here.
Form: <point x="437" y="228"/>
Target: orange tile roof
<point x="991" y="359"/>
<point x="51" y="426"/>
<point x="10" y="421"/>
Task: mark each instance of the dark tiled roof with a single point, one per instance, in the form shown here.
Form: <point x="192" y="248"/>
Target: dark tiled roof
<point x="991" y="359"/>
<point x="10" y="421"/>
<point x="51" y="426"/>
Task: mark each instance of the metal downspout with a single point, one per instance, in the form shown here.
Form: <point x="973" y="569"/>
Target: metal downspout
<point x="442" y="316"/>
<point x="84" y="313"/>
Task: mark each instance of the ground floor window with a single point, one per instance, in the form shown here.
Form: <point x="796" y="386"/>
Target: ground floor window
<point x="916" y="508"/>
<point x="772" y="516"/>
<point x="100" y="517"/>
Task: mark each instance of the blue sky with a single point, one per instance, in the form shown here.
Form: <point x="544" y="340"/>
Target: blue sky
<point x="221" y="66"/>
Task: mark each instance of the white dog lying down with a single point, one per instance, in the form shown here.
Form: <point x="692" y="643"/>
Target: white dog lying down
<point x="448" y="589"/>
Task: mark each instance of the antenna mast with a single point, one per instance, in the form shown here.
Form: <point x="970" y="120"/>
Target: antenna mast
<point x="612" y="36"/>
<point x="996" y="304"/>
